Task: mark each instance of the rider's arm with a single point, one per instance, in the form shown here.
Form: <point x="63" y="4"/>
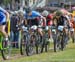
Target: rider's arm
<point x="54" y="21"/>
<point x="68" y="20"/>
<point x="44" y="20"/>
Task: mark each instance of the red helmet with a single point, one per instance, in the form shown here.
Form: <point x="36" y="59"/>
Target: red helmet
<point x="50" y="16"/>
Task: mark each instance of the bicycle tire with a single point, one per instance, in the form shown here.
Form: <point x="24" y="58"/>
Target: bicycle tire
<point x="38" y="44"/>
<point x="3" y="51"/>
<point x="30" y="46"/>
<point x="23" y="45"/>
<point x="62" y="43"/>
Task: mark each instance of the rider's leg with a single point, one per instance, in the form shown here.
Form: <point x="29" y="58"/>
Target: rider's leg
<point x="49" y="32"/>
<point x="66" y="35"/>
<point x="40" y="31"/>
<point x="2" y="29"/>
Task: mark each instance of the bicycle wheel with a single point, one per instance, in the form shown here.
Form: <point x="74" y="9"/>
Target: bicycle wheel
<point x="46" y="42"/>
<point x="23" y="46"/>
<point x="5" y="51"/>
<point x="62" y="42"/>
<point x="38" y="44"/>
<point x="30" y="45"/>
<point x="29" y="50"/>
<point x="43" y="44"/>
<point x="56" y="39"/>
<point x="47" y="47"/>
<point x="55" y="46"/>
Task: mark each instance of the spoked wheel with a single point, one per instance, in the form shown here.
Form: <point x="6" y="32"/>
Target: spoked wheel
<point x="38" y="48"/>
<point x="42" y="44"/>
<point x="47" y="47"/>
<point x="56" y="46"/>
<point x="38" y="44"/>
<point x="30" y="46"/>
<point x="29" y="50"/>
<point x="5" y="51"/>
<point x="47" y="43"/>
<point x="22" y="47"/>
<point x="55" y="40"/>
<point x="62" y="43"/>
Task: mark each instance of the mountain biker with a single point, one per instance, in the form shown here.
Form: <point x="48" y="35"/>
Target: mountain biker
<point x="49" y="18"/>
<point x="4" y="15"/>
<point x="34" y="18"/>
<point x="62" y="20"/>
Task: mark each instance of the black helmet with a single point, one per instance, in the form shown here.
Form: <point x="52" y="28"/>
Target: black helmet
<point x="28" y="10"/>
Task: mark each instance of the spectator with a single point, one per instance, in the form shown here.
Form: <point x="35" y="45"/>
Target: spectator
<point x="14" y="30"/>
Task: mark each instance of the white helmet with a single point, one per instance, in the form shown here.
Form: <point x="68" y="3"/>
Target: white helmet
<point x="45" y="13"/>
<point x="21" y="12"/>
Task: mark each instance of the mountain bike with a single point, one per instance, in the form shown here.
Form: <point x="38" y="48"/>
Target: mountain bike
<point x="29" y="42"/>
<point x="4" y="47"/>
<point x="60" y="37"/>
<point x="25" y="47"/>
<point x="45" y="39"/>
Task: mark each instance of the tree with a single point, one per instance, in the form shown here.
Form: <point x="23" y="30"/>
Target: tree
<point x="5" y="2"/>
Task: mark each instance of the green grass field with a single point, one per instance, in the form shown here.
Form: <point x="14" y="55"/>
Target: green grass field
<point x="68" y="55"/>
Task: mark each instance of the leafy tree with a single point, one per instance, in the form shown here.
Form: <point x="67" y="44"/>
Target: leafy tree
<point x="5" y="2"/>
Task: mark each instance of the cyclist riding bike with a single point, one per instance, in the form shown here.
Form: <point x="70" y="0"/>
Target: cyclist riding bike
<point x="49" y="20"/>
<point x="63" y="21"/>
<point x="34" y="18"/>
<point x="4" y="15"/>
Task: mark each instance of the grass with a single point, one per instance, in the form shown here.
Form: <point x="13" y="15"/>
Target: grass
<point x="68" y="55"/>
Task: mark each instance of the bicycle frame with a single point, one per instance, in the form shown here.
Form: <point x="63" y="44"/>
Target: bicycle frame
<point x="1" y="38"/>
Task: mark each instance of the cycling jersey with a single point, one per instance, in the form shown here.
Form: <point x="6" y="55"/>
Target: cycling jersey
<point x="33" y="15"/>
<point x="2" y="16"/>
<point x="49" y="20"/>
<point x="34" y="18"/>
<point x="61" y="20"/>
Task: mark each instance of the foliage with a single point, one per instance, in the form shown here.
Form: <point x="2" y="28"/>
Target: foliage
<point x="6" y="2"/>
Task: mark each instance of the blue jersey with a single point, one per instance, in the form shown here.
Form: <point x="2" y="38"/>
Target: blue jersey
<point x="33" y="15"/>
<point x="2" y="15"/>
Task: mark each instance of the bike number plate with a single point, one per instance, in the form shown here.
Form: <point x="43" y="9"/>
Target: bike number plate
<point x="60" y="28"/>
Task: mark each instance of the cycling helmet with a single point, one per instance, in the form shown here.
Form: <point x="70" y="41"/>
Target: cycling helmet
<point x="15" y="13"/>
<point x="59" y="13"/>
<point x="28" y="10"/>
<point x="45" y="13"/>
<point x="21" y="12"/>
<point x="50" y="16"/>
